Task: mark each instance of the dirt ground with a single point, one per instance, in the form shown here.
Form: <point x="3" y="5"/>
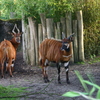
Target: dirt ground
<point x="31" y="77"/>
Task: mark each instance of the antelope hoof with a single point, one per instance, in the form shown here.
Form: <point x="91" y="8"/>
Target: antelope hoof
<point x="68" y="82"/>
<point x="2" y="76"/>
<point x="59" y="82"/>
<point x="11" y="75"/>
<point x="46" y="80"/>
<point x="6" y="72"/>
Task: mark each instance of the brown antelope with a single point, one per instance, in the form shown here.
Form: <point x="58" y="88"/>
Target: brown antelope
<point x="2" y="57"/>
<point x="8" y="54"/>
<point x="51" y="50"/>
<point x="15" y="41"/>
<point x="16" y="37"/>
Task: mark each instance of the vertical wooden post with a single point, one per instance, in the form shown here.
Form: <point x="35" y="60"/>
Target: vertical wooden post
<point x="80" y="35"/>
<point x="69" y="29"/>
<point x="68" y="23"/>
<point x="35" y="36"/>
<point x="40" y="34"/>
<point x="32" y="50"/>
<point x="50" y="27"/>
<point x="58" y="30"/>
<point x="43" y="21"/>
<point x="55" y="31"/>
<point x="75" y="42"/>
<point x="63" y="24"/>
<point x="27" y="45"/>
<point x="23" y="40"/>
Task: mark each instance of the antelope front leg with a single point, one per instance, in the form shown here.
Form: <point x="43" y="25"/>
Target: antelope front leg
<point x="58" y="67"/>
<point x="66" y="65"/>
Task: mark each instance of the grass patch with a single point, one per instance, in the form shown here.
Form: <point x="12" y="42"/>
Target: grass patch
<point x="11" y="92"/>
<point x="94" y="60"/>
<point x="90" y="61"/>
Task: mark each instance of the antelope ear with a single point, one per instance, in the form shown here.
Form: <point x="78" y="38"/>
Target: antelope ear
<point x="21" y="32"/>
<point x="73" y="34"/>
<point x="11" y="34"/>
<point x="63" y="35"/>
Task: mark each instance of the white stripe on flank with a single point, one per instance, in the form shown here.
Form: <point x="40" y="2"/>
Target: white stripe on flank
<point x="67" y="56"/>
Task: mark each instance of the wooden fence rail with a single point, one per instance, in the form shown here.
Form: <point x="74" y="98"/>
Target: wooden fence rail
<point x="34" y="34"/>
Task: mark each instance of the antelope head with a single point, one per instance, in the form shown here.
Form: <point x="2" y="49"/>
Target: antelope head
<point x="66" y="41"/>
<point x="16" y="35"/>
<point x="69" y="39"/>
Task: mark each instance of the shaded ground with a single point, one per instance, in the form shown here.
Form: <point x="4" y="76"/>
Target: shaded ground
<point x="31" y="77"/>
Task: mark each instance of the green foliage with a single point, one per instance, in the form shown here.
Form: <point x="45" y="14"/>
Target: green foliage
<point x="56" y="9"/>
<point x="92" y="41"/>
<point x="52" y="8"/>
<point x="10" y="92"/>
<point x="94" y="60"/>
<point x="73" y="94"/>
<point x="88" y="94"/>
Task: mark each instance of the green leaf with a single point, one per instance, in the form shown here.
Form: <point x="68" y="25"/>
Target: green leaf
<point x="82" y="81"/>
<point x="71" y="94"/>
<point x="92" y="90"/>
<point x="98" y="95"/>
<point x="92" y="84"/>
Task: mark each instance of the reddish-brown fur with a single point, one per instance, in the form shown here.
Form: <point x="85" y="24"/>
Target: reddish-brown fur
<point x="2" y="57"/>
<point x="9" y="53"/>
<point x="15" y="40"/>
<point x="50" y="50"/>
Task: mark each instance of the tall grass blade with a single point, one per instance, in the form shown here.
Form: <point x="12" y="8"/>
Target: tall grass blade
<point x="98" y="94"/>
<point x="82" y="82"/>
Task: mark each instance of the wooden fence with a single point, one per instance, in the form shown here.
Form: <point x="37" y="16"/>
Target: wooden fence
<point x="34" y="34"/>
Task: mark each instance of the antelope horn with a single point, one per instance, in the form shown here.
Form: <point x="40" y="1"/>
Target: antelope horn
<point x="63" y="35"/>
<point x="14" y="29"/>
<point x="17" y="29"/>
<point x="71" y="35"/>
